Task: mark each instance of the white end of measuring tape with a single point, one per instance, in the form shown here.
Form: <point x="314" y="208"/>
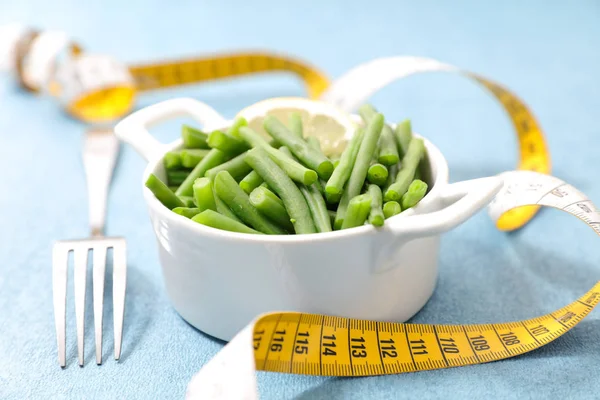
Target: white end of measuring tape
<point x="521" y="187"/>
<point x="355" y="87"/>
<point x="9" y="37"/>
<point x="230" y="374"/>
<point x="41" y="59"/>
<point x="90" y="73"/>
<point x="532" y="188"/>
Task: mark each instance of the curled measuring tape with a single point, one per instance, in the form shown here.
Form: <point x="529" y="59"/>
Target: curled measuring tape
<point x="356" y="86"/>
<point x="98" y="88"/>
<point x="313" y="344"/>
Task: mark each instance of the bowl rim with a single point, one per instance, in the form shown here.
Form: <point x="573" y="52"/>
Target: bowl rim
<point x="438" y="167"/>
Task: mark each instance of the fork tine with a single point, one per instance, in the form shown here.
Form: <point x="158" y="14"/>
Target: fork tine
<point x="119" y="284"/>
<point x="60" y="255"/>
<point x="99" y="267"/>
<point x="80" y="270"/>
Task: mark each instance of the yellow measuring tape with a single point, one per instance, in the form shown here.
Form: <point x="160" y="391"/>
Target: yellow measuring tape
<point x="356" y="86"/>
<point x="332" y="346"/>
<point x="116" y="101"/>
<point x="310" y="344"/>
<point x="534" y="154"/>
<point x="320" y="345"/>
<point x="97" y="88"/>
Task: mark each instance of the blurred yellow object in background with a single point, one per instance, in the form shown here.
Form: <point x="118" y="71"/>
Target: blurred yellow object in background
<point x="97" y="88"/>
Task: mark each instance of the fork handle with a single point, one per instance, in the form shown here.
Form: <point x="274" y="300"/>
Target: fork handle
<point x="100" y="151"/>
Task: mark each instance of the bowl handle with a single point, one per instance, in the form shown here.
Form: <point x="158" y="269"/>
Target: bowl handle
<point x="133" y="129"/>
<point x="459" y="202"/>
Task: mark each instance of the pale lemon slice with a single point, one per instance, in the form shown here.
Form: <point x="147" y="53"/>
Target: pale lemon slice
<point x="322" y="120"/>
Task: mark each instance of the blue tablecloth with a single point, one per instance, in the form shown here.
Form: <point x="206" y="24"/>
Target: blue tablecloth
<point x="547" y="51"/>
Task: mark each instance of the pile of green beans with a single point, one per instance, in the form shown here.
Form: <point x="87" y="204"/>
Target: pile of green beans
<point x="238" y="181"/>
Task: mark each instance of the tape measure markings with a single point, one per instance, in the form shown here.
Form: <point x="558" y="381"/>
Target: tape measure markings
<point x="81" y="99"/>
<point x="533" y="149"/>
<point x="175" y="73"/>
<point x="312" y="344"/>
<point x="365" y="348"/>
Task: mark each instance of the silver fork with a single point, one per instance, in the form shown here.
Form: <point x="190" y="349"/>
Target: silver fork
<point x="99" y="154"/>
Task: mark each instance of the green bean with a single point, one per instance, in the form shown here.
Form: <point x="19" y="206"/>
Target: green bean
<point x="191" y="157"/>
<point x="418" y="173"/>
<point x="366" y="112"/>
<point x="163" y="193"/>
<point x="317" y="207"/>
<point x="224" y="209"/>
<point x="216" y="220"/>
<point x="271" y="206"/>
<point x="175" y="177"/>
<point x="237" y="167"/>
<point x="295" y="123"/>
<point x="403" y="135"/>
<point x="186" y="211"/>
<point x="252" y="140"/>
<point x="212" y="159"/>
<point x="237" y="200"/>
<point x="226" y="143"/>
<point x="187" y="201"/>
<point x="357" y="212"/>
<point x="236" y="125"/>
<point x="251" y="182"/>
<point x="312" y="158"/>
<point x="331" y="216"/>
<point x="392" y="172"/>
<point x="320" y="185"/>
<point x="341" y="174"/>
<point x="314" y="143"/>
<point x="405" y="176"/>
<point x="282" y="185"/>
<point x="172" y="159"/>
<point x="342" y="206"/>
<point x="193" y="138"/>
<point x="421" y="172"/>
<point x="376" y="216"/>
<point x="313" y="195"/>
<point x="391" y="208"/>
<point x="286" y="150"/>
<point x="377" y="174"/>
<point x="203" y="194"/>
<point x="388" y="151"/>
<point x="234" y="131"/>
<point x="361" y="165"/>
<point x="173" y="188"/>
<point x="294" y="169"/>
<point x="416" y="191"/>
<point x="422" y="169"/>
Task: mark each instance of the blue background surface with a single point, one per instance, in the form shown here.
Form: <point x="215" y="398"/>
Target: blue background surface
<point x="546" y="51"/>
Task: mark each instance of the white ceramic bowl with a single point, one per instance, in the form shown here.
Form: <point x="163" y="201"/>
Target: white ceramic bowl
<point x="219" y="281"/>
